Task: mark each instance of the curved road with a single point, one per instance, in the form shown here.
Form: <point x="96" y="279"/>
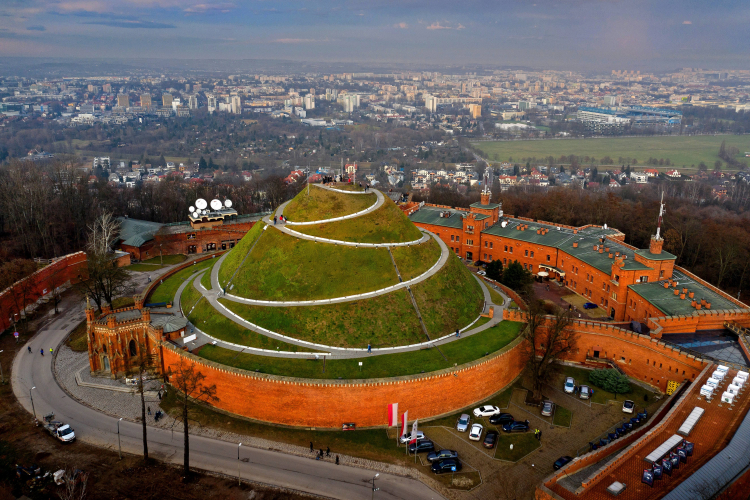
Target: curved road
<point x="269" y="467"/>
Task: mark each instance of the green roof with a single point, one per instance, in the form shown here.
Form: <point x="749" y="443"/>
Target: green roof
<point x="431" y="215"/>
<point x="489" y="206"/>
<point x="656" y="256"/>
<point x="671" y="304"/>
<point x="134" y="232"/>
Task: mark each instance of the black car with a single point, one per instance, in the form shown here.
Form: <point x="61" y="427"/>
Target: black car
<point x="516" y="426"/>
<point x="490" y="439"/>
<point x="560" y="462"/>
<point x="446" y="465"/>
<point x="436" y="456"/>
<point x="421" y="445"/>
<point x="501" y="419"/>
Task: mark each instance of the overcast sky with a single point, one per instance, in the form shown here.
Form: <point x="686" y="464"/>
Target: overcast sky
<point x="559" y="34"/>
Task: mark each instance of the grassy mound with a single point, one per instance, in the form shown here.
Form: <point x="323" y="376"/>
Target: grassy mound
<point x="282" y="267"/>
<point x="387" y="224"/>
<point x="416" y="259"/>
<point x="323" y="204"/>
<point x="168" y="287"/>
<point x="384" y="321"/>
<point x="388" y="365"/>
<point x="237" y="254"/>
<point x="450" y="299"/>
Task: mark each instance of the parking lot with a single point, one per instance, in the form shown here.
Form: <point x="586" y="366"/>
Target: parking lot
<point x="510" y="474"/>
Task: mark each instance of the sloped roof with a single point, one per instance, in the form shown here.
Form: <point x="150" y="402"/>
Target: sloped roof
<point x="134" y="232"/>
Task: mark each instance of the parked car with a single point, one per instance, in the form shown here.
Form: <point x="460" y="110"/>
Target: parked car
<point x="475" y="434"/>
<point x="628" y="406"/>
<point x="436" y="456"/>
<point x="584" y="392"/>
<point x="560" y="462"/>
<point x="463" y="423"/>
<point x="486" y="411"/>
<point x="482" y="273"/>
<point x="547" y="408"/>
<point x="589" y="305"/>
<point x="516" y="426"/>
<point x="570" y="385"/>
<point x="501" y="418"/>
<point x="490" y="439"/>
<point x="446" y="465"/>
<point x="421" y="446"/>
<point x="406" y="438"/>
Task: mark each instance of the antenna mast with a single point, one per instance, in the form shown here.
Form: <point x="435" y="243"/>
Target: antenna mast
<point x="661" y="214"/>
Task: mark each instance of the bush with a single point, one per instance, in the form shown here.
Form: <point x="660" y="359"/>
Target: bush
<point x="610" y="380"/>
<point x="495" y="270"/>
<point x="516" y="277"/>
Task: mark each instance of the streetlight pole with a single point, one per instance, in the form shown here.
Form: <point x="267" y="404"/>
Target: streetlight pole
<point x="239" y="478"/>
<point x="119" y="445"/>
<point x="32" y="402"/>
<point x="374" y="489"/>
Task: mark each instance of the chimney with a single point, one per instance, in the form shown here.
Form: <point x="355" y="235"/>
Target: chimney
<point x="666" y="285"/>
<point x="601" y="250"/>
<point x="693" y="303"/>
<point x="606" y="249"/>
<point x="485" y="198"/>
<point x="617" y="254"/>
<point x="655" y="246"/>
<point x="518" y="227"/>
<point x="538" y="231"/>
<point x="684" y="289"/>
<point x="610" y="255"/>
<point x="676" y="291"/>
<point x="691" y="294"/>
<point x="575" y="244"/>
<point x="703" y="301"/>
<point x="708" y="305"/>
<point x="596" y="247"/>
<point x="698" y="306"/>
<point x="575" y="231"/>
<point x="682" y="296"/>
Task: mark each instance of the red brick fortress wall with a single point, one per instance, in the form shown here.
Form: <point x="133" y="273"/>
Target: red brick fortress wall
<point x="70" y="268"/>
<point x="328" y="403"/>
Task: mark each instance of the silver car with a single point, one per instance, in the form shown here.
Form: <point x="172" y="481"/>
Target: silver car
<point x="463" y="423"/>
<point x="585" y="392"/>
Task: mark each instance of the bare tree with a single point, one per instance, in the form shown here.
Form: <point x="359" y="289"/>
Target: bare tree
<point x="141" y="366"/>
<point x="548" y="338"/>
<point x="74" y="484"/>
<point x="191" y="392"/>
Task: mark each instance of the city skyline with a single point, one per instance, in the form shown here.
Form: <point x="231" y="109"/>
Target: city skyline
<point x="578" y="35"/>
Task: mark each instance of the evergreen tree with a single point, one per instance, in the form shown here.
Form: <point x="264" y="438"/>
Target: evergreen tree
<point x="516" y="277"/>
<point x="495" y="270"/>
<point x="202" y="165"/>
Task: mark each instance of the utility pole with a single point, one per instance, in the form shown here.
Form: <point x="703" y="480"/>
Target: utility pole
<point x="119" y="446"/>
<point x="33" y="411"/>
<point x="374" y="489"/>
<point x="239" y="478"/>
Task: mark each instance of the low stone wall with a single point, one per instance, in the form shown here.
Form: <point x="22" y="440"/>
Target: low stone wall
<point x="330" y="403"/>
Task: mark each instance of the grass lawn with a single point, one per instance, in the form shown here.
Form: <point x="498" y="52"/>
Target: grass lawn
<point x="322" y="204"/>
<point x="122" y="302"/>
<point x="562" y="416"/>
<point x="680" y="150"/>
<point x="601" y="396"/>
<point x="348" y="187"/>
<point x="166" y="290"/>
<point x="283" y="267"/>
<point x="416" y="259"/>
<point x="143" y="268"/>
<point x="218" y="326"/>
<point x="480" y="322"/>
<point x="578" y="301"/>
<point x="388" y="365"/>
<point x="168" y="260"/>
<point x="384" y="321"/>
<point x="497" y="299"/>
<point x="388" y="224"/>
<point x="450" y="299"/>
<point x="523" y="444"/>
<point x="77" y="340"/>
<point x="206" y="277"/>
<point x="237" y="254"/>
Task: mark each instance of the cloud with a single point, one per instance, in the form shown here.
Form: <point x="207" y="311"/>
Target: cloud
<point x="446" y="26"/>
<point x="687" y="22"/>
<point x="210" y="8"/>
<point x="402" y="25"/>
<point x="131" y="23"/>
<point x="36" y="28"/>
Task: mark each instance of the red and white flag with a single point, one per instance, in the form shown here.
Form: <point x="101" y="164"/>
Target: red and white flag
<point x="404" y="419"/>
<point x="413" y="433"/>
<point x="392" y="414"/>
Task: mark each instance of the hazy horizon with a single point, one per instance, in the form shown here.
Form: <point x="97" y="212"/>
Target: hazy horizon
<point x="574" y="35"/>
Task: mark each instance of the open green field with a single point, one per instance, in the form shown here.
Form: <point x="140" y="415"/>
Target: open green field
<point x="384" y="321"/>
<point x="166" y="290"/>
<point x="388" y="365"/>
<point x="283" y="267"/>
<point x="388" y="224"/>
<point x="237" y="254"/>
<point x="166" y="260"/>
<point x="143" y="268"/>
<point x="450" y="299"/>
<point x="322" y="204"/>
<point x="680" y="150"/>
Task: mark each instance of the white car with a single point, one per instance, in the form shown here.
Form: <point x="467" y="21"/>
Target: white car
<point x="482" y="273"/>
<point x="570" y="385"/>
<point x="463" y="423"/>
<point x="486" y="411"/>
<point x="475" y="434"/>
<point x="628" y="406"/>
<point x="407" y="437"/>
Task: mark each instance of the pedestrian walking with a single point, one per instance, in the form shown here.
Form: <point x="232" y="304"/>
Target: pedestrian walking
<point x="321" y="453"/>
<point x="458" y="333"/>
<point x="29" y="348"/>
<point x="274" y="220"/>
<point x="337" y="459"/>
<point x="50" y="350"/>
<point x="540" y="436"/>
<point x="328" y="451"/>
<point x="149" y="411"/>
<point x="149" y="279"/>
<point x="41" y="351"/>
<point x="369" y="348"/>
<point x="159" y="394"/>
<point x="311" y="447"/>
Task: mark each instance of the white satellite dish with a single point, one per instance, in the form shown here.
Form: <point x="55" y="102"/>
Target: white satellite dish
<point x="504" y="223"/>
<point x="200" y="204"/>
<point x="196" y="215"/>
<point x="216" y="204"/>
<point x="228" y="203"/>
<point x="203" y="212"/>
<point x="191" y="209"/>
<point x="605" y="226"/>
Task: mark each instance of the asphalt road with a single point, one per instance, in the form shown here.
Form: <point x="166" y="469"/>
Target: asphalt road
<point x="304" y="474"/>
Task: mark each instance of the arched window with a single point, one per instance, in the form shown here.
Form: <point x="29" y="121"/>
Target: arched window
<point x="105" y="363"/>
<point x="132" y="348"/>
